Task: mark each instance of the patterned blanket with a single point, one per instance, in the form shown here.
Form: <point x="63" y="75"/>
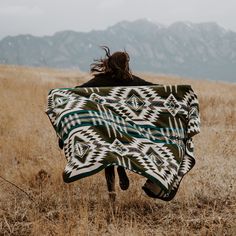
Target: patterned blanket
<point x="146" y="129"/>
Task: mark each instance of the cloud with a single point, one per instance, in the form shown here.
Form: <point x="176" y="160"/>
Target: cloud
<point x="40" y="17"/>
<point x="20" y="11"/>
<point x="110" y="4"/>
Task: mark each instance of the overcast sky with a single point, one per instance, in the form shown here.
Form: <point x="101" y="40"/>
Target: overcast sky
<point x="45" y="17"/>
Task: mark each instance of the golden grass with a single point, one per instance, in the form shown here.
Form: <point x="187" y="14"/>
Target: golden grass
<point x="30" y="158"/>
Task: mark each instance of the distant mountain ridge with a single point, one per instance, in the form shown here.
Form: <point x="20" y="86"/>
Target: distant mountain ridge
<point x="203" y="50"/>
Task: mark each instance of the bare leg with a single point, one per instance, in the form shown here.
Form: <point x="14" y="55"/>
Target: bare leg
<point x="110" y="178"/>
<point x="124" y="180"/>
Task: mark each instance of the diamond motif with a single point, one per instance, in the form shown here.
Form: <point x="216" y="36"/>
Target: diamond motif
<point x="134" y="102"/>
<point x="156" y="159"/>
<point x="172" y="105"/>
<point x="154" y="156"/>
<point x="60" y="101"/>
<point x="119" y="147"/>
<point x="80" y="149"/>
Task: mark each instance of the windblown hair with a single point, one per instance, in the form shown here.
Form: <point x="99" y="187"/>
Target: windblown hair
<point x="117" y="65"/>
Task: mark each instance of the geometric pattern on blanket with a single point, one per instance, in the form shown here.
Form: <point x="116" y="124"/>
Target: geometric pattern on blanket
<point x="147" y="129"/>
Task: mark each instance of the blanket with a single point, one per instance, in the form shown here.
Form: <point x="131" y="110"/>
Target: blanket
<point x="147" y="129"/>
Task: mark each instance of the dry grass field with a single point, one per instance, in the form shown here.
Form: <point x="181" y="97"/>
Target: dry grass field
<point x="31" y="159"/>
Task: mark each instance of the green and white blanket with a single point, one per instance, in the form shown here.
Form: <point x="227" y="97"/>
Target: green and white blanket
<point x="146" y="129"/>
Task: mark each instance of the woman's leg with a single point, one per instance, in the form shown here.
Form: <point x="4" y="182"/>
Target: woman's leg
<point x="110" y="178"/>
<point x="124" y="180"/>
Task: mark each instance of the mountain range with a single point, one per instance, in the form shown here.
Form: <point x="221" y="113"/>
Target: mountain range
<point x="195" y="50"/>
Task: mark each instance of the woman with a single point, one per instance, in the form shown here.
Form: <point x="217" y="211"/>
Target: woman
<point x="113" y="70"/>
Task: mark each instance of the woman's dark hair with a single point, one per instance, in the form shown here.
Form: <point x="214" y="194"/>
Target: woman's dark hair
<point x="117" y="65"/>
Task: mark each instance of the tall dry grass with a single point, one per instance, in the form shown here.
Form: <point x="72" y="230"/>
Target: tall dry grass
<point x="31" y="159"/>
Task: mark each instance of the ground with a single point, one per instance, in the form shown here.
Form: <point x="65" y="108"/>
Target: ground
<point x="31" y="159"/>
